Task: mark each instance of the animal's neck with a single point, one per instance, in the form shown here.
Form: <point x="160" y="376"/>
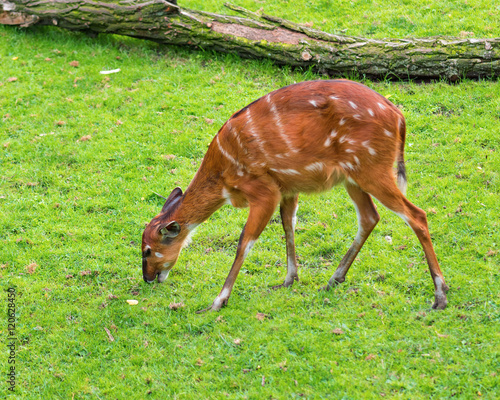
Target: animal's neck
<point x="202" y="197"/>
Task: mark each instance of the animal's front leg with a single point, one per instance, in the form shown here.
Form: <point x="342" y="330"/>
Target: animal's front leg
<point x="261" y="211"/>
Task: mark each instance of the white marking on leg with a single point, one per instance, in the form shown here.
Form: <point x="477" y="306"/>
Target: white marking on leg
<point x="404" y="218"/>
<point x="387" y="133"/>
<point x="315" y="167"/>
<point x="248" y="248"/>
<point x="370" y="111"/>
<point x="353" y="105"/>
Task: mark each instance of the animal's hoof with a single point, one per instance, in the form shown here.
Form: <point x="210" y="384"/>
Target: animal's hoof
<point x="440" y="303"/>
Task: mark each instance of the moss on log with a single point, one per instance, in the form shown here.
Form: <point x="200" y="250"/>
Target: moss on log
<point x="258" y="35"/>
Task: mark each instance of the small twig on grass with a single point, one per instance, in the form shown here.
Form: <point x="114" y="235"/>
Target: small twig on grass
<point x="158" y="194"/>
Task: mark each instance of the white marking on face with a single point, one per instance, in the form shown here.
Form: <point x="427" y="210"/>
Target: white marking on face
<point x="313" y="102"/>
<point x="315" y="167"/>
<point x="159" y="255"/>
<point x="387" y="133"/>
<point x="382" y="107"/>
<point x="370" y="111"/>
<point x="163" y="275"/>
<point x="148" y="247"/>
<point x="288" y="171"/>
<point x="353" y="105"/>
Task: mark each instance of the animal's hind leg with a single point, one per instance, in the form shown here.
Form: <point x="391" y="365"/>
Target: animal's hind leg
<point x="288" y="212"/>
<point x="390" y="196"/>
<point x="367" y="219"/>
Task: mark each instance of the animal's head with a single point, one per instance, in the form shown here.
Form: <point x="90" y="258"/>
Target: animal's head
<point x="163" y="240"/>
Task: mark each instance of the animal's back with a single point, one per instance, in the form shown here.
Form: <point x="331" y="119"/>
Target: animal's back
<point x="312" y="135"/>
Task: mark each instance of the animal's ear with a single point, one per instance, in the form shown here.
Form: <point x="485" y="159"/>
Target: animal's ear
<point x="172" y="199"/>
<point x="171" y="230"/>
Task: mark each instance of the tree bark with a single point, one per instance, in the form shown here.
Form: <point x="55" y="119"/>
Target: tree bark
<point x="262" y="36"/>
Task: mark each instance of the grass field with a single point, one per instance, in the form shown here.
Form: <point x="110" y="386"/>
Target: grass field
<point x="81" y="155"/>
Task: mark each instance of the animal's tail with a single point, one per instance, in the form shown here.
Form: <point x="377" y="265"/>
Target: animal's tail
<point x="401" y="170"/>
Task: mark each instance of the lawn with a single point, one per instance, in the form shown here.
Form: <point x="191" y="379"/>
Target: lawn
<point x="82" y="156"/>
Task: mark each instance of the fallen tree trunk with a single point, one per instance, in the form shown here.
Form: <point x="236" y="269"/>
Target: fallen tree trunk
<point x="263" y="36"/>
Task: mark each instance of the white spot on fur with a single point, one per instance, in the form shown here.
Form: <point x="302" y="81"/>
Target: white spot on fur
<point x="366" y="144"/>
<point x="357" y="160"/>
<point x="352" y="181"/>
<point x="342" y="139"/>
<point x="334" y="98"/>
<point x="314" y="103"/>
<point x="342" y="121"/>
<point x="382" y="107"/>
<point x="288" y="171"/>
<point x="387" y="133"/>
<point x="315" y="167"/>
<point x="159" y="255"/>
<point x="328" y="142"/>
<point x="370" y="111"/>
<point x="148" y="247"/>
<point x="333" y="134"/>
<point x="349" y="151"/>
<point x="353" y="105"/>
<point x="356" y="116"/>
<point x="226" y="196"/>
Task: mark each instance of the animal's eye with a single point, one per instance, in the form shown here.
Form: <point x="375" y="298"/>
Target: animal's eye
<point x="146" y="253"/>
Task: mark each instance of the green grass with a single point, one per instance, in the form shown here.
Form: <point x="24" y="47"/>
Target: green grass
<point x="72" y="212"/>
